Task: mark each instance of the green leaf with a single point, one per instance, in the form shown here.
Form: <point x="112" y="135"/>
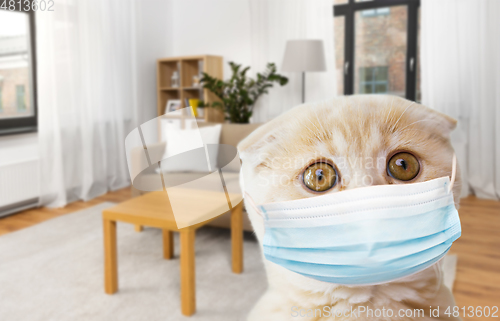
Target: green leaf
<point x="239" y="94"/>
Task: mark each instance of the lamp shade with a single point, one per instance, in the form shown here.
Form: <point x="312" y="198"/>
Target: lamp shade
<point x="304" y="55"/>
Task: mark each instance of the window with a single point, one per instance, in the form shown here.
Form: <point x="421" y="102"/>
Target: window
<point x="20" y="99"/>
<point x="375" y="12"/>
<point x="368" y="58"/>
<point x="373" y="80"/>
<point x="18" y="110"/>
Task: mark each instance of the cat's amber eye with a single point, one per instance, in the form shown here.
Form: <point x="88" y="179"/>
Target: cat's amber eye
<point x="403" y="166"/>
<point x="320" y="177"/>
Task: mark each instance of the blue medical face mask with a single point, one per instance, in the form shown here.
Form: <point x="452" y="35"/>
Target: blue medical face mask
<point x="363" y="236"/>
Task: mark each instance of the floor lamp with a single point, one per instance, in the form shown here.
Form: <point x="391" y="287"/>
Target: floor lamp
<point x="304" y="56"/>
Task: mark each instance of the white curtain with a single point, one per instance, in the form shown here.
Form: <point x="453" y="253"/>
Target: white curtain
<point x="273" y="22"/>
<point x="85" y="98"/>
<point x="461" y="77"/>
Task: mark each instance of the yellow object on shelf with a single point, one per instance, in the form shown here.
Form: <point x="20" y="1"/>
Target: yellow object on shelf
<point x="194" y="106"/>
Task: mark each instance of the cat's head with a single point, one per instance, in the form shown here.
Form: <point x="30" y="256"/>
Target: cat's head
<point x="351" y="141"/>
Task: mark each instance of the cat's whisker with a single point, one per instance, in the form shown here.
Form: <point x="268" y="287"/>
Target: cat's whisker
<point x="394" y="126"/>
<point x="319" y="122"/>
<point x="418" y="121"/>
<point x="316" y="134"/>
<point x="309" y="129"/>
<point x="391" y="109"/>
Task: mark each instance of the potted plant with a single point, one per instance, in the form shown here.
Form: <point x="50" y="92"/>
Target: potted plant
<point x="239" y="94"/>
<point x="201" y="108"/>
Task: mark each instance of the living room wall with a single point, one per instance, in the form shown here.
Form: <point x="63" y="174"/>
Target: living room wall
<point x="216" y="27"/>
<point x="154" y="39"/>
<point x="174" y="28"/>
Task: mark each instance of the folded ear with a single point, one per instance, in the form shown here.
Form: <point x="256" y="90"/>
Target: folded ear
<point x="437" y="120"/>
<point x="254" y="144"/>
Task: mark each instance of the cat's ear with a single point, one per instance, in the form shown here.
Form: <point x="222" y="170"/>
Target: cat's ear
<point x="255" y="148"/>
<point x="267" y="135"/>
<point x="254" y="145"/>
<point x="441" y="122"/>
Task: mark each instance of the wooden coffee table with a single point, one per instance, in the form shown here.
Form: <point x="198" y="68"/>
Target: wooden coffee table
<point x="153" y="209"/>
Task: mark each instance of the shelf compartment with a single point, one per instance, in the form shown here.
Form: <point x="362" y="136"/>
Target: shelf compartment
<point x="189" y="69"/>
<point x="191" y="94"/>
<point x="165" y="72"/>
<point x="165" y="96"/>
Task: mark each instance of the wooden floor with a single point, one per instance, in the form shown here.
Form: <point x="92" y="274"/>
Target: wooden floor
<point x="478" y="250"/>
<point x="478" y="275"/>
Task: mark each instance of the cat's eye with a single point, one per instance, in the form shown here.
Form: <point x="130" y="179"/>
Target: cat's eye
<point x="403" y="166"/>
<point x="320" y="177"/>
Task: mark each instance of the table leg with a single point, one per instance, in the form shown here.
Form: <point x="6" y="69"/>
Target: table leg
<point x="138" y="228"/>
<point x="110" y="257"/>
<point x="188" y="291"/>
<point x="168" y="244"/>
<point x="237" y="237"/>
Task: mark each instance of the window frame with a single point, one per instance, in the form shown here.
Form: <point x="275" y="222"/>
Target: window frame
<point x="348" y="11"/>
<point x="18" y="125"/>
<point x="373" y="82"/>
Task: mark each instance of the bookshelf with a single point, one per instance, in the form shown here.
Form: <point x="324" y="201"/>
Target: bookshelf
<point x="187" y="67"/>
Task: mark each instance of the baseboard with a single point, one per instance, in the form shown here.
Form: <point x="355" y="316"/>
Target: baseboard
<point x="18" y="207"/>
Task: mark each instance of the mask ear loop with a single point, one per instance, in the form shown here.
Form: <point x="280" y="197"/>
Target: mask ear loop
<point x="453" y="172"/>
<point x="252" y="203"/>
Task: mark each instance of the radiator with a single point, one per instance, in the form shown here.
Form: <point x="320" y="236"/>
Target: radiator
<point x="18" y="186"/>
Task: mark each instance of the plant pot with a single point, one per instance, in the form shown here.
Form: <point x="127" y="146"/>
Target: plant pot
<point x="213" y="115"/>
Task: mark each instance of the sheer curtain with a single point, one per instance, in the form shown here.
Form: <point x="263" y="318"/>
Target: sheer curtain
<point x="85" y="98"/>
<point x="461" y="77"/>
<point x="273" y="22"/>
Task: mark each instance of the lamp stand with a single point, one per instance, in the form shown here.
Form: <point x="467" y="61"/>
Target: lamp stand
<point x="303" y="87"/>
